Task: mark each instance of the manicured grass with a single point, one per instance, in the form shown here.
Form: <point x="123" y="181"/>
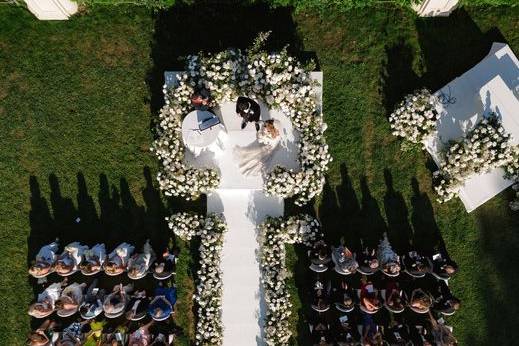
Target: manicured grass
<point x="370" y="59"/>
<point x="76" y="101"/>
<point x="75" y="124"/>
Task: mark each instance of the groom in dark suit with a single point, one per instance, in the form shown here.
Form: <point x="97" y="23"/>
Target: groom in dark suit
<point x="249" y="110"/>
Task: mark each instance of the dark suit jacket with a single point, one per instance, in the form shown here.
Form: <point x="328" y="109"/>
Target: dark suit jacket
<point x="254" y="111"/>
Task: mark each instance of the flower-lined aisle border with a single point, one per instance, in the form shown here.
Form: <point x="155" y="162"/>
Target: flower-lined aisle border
<point x="273" y="235"/>
<point x="485" y="147"/>
<point x="208" y="295"/>
<point x="276" y="79"/>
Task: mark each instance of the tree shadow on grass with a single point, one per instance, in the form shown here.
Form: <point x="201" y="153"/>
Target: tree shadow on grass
<point x="212" y="26"/>
<point x="449" y="46"/>
<point x="427" y="237"/>
<point x="497" y="268"/>
<point x="120" y="219"/>
<point x="452" y="45"/>
<point x="397" y="76"/>
<point x="400" y="233"/>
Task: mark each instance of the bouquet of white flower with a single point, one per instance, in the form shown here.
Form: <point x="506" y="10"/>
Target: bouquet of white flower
<point x="485" y="147"/>
<point x="274" y="234"/>
<point x="208" y="294"/>
<point x="415" y="118"/>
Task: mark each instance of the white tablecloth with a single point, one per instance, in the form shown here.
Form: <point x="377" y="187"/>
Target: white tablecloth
<point x="194" y="139"/>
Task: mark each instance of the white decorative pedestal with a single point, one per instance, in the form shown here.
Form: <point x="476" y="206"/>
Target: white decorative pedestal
<point x="435" y="8"/>
<point x="52" y="9"/>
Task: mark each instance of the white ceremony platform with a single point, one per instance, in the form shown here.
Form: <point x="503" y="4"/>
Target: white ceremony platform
<point x="244" y="205"/>
<point x="490" y="86"/>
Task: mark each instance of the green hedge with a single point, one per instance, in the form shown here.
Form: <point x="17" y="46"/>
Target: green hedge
<point x="321" y="5"/>
<point x="147" y="3"/>
<point x="490" y="2"/>
<point x="345" y="5"/>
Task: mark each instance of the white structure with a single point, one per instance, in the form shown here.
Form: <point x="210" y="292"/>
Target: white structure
<point x="490" y="86"/>
<point x="52" y="9"/>
<point x="435" y="8"/>
<point x="244" y="206"/>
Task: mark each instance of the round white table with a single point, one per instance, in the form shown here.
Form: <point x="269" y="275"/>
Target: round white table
<point x="195" y="139"/>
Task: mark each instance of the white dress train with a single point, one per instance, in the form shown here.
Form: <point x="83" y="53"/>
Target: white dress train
<point x="253" y="158"/>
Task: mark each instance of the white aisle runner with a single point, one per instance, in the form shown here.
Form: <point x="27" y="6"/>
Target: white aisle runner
<point x="243" y="304"/>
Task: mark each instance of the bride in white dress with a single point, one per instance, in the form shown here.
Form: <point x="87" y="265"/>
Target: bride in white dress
<point x="253" y="158"/>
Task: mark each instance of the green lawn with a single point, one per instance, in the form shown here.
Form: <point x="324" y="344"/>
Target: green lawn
<point x="77" y="101"/>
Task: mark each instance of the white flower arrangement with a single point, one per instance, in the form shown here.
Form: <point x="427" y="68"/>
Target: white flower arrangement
<point x="415" y="117"/>
<point x="277" y="79"/>
<point x="208" y="294"/>
<point x="485" y="147"/>
<point x="273" y="235"/>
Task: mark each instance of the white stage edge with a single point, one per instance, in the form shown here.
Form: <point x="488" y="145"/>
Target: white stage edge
<point x="490" y="86"/>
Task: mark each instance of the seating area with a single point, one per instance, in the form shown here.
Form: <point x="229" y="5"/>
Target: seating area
<point x="85" y="298"/>
<point x="377" y="297"/>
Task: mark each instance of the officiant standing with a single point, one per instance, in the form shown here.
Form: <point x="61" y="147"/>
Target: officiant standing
<point x="249" y="110"/>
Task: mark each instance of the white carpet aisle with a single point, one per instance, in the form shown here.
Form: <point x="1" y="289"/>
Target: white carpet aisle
<point x="244" y="206"/>
<point x="242" y="298"/>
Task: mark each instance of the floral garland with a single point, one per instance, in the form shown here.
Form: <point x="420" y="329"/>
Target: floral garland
<point x="415" y="117"/>
<point x="277" y="79"/>
<point x="274" y="233"/>
<point x="485" y="147"/>
<point x="208" y="295"/>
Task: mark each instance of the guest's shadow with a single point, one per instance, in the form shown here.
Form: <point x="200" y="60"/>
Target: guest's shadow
<point x="120" y="219"/>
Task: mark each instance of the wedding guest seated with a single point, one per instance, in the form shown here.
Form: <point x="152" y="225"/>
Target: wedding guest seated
<point x="92" y="306"/>
<point x="142" y="335"/>
<point x="68" y="262"/>
<point x="344" y="260"/>
<point x="165" y="267"/>
<point x="43" y="265"/>
<point x="320" y="302"/>
<point x="46" y="334"/>
<point x="115" y="303"/>
<point x="72" y="335"/>
<point x="94" y="336"/>
<point x="249" y="110"/>
<point x="118" y="259"/>
<point x="344" y="297"/>
<point x="46" y="301"/>
<point x="416" y="265"/>
<point x="162" y="305"/>
<point x="139" y="263"/>
<point x="70" y="299"/>
<point x="368" y="262"/>
<point x="94" y="259"/>
<point x="442" y="267"/>
<point x="369" y="297"/>
<point x="388" y="260"/>
<point x="201" y="99"/>
<point x="397" y="335"/>
<point x="115" y="336"/>
<point x="346" y="333"/>
<point x="441" y="334"/>
<point x="319" y="257"/>
<point x="320" y="333"/>
<point x="395" y="298"/>
<point x="137" y="306"/>
<point x="420" y="301"/>
<point x="371" y="333"/>
<point x="444" y="301"/>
